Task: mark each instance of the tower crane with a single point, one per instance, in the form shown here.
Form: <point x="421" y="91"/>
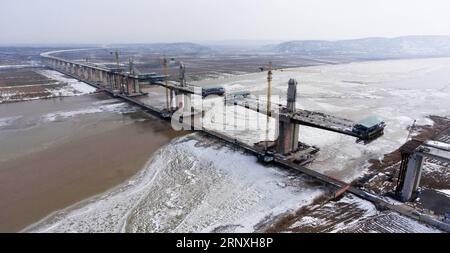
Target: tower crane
<point x="166" y="76"/>
<point x="269" y="94"/>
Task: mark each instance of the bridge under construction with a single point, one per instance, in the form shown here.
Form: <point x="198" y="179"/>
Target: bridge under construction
<point x="285" y="151"/>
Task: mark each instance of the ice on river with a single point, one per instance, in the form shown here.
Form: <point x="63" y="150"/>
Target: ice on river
<point x="399" y="91"/>
<point x="189" y="187"/>
<point x="74" y="87"/>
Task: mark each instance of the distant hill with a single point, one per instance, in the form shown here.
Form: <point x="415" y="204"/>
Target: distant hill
<point x="408" y="46"/>
<point x="170" y="48"/>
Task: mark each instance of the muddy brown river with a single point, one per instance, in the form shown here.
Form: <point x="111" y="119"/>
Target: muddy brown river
<point x="49" y="155"/>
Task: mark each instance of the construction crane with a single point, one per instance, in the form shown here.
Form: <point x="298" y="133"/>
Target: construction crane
<point x="166" y="76"/>
<point x="131" y="67"/>
<point x="269" y="94"/>
<point x="116" y="57"/>
<point x="182" y="74"/>
<point x="411" y="128"/>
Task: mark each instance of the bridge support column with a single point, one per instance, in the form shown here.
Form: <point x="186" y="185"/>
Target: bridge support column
<point x="102" y="78"/>
<point x="77" y="71"/>
<point x="89" y="70"/>
<point x="98" y="78"/>
<point x="171" y="95"/>
<point x="94" y="75"/>
<point x="122" y="83"/>
<point x="110" y="78"/>
<point x="412" y="177"/>
<point x="129" y="85"/>
<point x="116" y="82"/>
<point x="83" y="73"/>
<point x="288" y="132"/>
<point x="187" y="103"/>
<point x="137" y="86"/>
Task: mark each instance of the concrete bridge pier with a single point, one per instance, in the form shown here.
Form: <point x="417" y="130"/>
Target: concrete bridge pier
<point x="187" y="103"/>
<point x="85" y="73"/>
<point x="116" y="82"/>
<point x="137" y="86"/>
<point x="122" y="83"/>
<point x="130" y="86"/>
<point x="412" y="177"/>
<point x="71" y="68"/>
<point x="95" y="75"/>
<point x="110" y="80"/>
<point x="78" y="71"/>
<point x="90" y="74"/>
<point x="103" y="80"/>
<point x="171" y="97"/>
<point x="288" y="131"/>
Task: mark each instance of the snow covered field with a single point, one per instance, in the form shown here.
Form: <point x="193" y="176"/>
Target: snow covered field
<point x="354" y="215"/>
<point x="190" y="186"/>
<point x="28" y="86"/>
<point x="73" y="87"/>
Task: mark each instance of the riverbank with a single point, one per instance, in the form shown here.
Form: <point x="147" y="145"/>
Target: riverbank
<point x="46" y="166"/>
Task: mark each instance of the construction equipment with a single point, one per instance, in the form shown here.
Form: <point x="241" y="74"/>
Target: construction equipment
<point x="116" y="58"/>
<point x="131" y="66"/>
<point x="369" y="128"/>
<point x="166" y="76"/>
<point x="411" y="128"/>
<point x="182" y="74"/>
<point x="269" y="94"/>
<point x="220" y="91"/>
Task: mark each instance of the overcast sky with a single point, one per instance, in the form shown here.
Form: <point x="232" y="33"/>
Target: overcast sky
<point x="144" y="21"/>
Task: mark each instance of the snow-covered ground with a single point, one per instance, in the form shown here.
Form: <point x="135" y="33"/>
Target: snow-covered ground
<point x="445" y="191"/>
<point x="15" y="66"/>
<point x="73" y="87"/>
<point x="354" y="215"/>
<point x="189" y="186"/>
<point x="63" y="87"/>
<point x="21" y="66"/>
<point x="399" y="91"/>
